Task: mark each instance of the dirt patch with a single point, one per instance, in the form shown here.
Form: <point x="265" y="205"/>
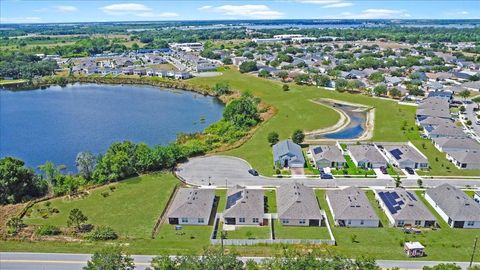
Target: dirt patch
<point x="6" y="212"/>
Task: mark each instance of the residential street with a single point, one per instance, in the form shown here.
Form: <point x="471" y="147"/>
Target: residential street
<point x="62" y="261"/>
<point x="470" y="114"/>
<point x="221" y="171"/>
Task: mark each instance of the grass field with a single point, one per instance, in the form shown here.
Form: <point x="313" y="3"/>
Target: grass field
<point x="387" y="242"/>
<point x="299" y="232"/>
<point x="295" y="110"/>
<point x="6" y="82"/>
<point x="249" y="232"/>
<point x="131" y="209"/>
<point x="271" y="196"/>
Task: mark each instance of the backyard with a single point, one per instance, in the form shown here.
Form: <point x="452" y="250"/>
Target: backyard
<point x="300" y="232"/>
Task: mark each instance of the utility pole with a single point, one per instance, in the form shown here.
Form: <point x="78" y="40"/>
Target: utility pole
<point x="474" y="249"/>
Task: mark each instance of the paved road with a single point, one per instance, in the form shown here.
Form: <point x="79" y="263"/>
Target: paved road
<point x="62" y="261"/>
<point x="225" y="171"/>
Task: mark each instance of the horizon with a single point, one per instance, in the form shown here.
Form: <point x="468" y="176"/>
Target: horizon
<point x="42" y="12"/>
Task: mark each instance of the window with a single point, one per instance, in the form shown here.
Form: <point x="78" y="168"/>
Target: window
<point x="361" y="222"/>
<point x="284" y="221"/>
<point x="349" y="222"/>
<point x="255" y="220"/>
<point x="200" y="220"/>
<point x="401" y="223"/>
<point x="470" y="223"/>
<point x="302" y="221"/>
<point x="241" y="220"/>
<point x="184" y="220"/>
<point x="418" y="222"/>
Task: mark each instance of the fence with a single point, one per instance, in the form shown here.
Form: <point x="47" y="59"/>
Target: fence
<point x="164" y="211"/>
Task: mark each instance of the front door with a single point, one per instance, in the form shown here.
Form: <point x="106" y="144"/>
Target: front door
<point x="173" y="221"/>
<point x="313" y="222"/>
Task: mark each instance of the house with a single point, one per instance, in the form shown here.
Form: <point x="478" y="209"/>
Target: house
<point x="140" y="71"/>
<point x="366" y="156"/>
<point x="351" y="208"/>
<point x="287" y="154"/>
<point x="454" y="206"/>
<point x="237" y="61"/>
<point x="192" y="206"/>
<point x="448" y="95"/>
<point x="414" y="249"/>
<point x="449" y="130"/>
<point x="244" y="206"/>
<point x="433" y="107"/>
<point x="327" y="156"/>
<point x="298" y="206"/>
<point x="466" y="159"/>
<point x="449" y="144"/>
<point x="405" y="155"/>
<point x="403" y="208"/>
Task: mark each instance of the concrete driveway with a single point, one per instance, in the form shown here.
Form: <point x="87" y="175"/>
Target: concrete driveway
<point x="227" y="171"/>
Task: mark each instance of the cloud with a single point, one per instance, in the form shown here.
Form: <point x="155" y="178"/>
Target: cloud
<point x="373" y="13"/>
<point x="20" y="19"/>
<point x="65" y="8"/>
<point x="245" y="11"/>
<point x="328" y="3"/>
<point x="135" y="9"/>
<point x="463" y="12"/>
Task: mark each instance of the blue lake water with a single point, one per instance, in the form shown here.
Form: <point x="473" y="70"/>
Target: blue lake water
<point x="56" y="123"/>
<point x="354" y="129"/>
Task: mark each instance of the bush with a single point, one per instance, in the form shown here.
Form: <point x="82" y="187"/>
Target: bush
<point x="102" y="233"/>
<point x="47" y="230"/>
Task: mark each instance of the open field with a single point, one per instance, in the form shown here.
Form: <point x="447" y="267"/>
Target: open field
<point x="387" y="242"/>
<point x="295" y="110"/>
<point x="131" y="209"/>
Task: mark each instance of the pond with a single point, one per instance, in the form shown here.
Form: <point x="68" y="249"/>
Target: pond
<point x="56" y="123"/>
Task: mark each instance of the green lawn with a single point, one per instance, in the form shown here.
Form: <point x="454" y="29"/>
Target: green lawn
<point x="299" y="232"/>
<point x="189" y="237"/>
<point x="131" y="209"/>
<point x="6" y="82"/>
<point x="249" y="232"/>
<point x="352" y="169"/>
<point x="271" y="196"/>
<point x="222" y="195"/>
<point x="385" y="242"/>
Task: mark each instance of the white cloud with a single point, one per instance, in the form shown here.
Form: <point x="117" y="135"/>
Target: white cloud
<point x="328" y="3"/>
<point x="135" y="9"/>
<point x="66" y="8"/>
<point x="373" y="13"/>
<point x="463" y="12"/>
<point x="245" y="11"/>
<point x="20" y="19"/>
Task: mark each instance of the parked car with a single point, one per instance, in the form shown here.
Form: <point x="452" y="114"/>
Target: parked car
<point x="410" y="170"/>
<point x="325" y="176"/>
<point x="383" y="170"/>
<point x="253" y="172"/>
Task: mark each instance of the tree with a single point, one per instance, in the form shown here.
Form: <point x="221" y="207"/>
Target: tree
<point x="248" y="66"/>
<point x="85" y="163"/>
<point x="135" y="46"/>
<point x="18" y="183"/>
<point x="15" y="224"/>
<point x="76" y="219"/>
<point x="394" y="92"/>
<point x="442" y="266"/>
<point x="282" y="75"/>
<point x="298" y="136"/>
<point x="273" y="137"/>
<point x="341" y="85"/>
<point x="322" y="80"/>
<point x="398" y="182"/>
<point x="302" y="79"/>
<point x="380" y="89"/>
<point x="242" y="112"/>
<point x="263" y="73"/>
<point x="110" y="258"/>
<point x="222" y="88"/>
<point x="285" y="87"/>
<point x="464" y="94"/>
<point x="376" y="77"/>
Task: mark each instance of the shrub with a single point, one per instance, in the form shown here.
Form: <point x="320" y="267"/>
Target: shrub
<point x="102" y="233"/>
<point x="48" y="230"/>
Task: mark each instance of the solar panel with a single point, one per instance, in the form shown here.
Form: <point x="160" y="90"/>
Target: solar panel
<point x="232" y="199"/>
<point x="396" y="153"/>
<point x="317" y="150"/>
<point x="411" y="196"/>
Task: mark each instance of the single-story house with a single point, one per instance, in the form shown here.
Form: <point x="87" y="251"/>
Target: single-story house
<point x="244" y="206"/>
<point x="447" y="144"/>
<point x="327" y="156"/>
<point x="366" y="156"/>
<point x="403" y="208"/>
<point x="433" y="107"/>
<point x="351" y="208"/>
<point x="192" y="206"/>
<point x="405" y="155"/>
<point x="445" y="131"/>
<point x="297" y="205"/>
<point x="466" y="159"/>
<point x="454" y="206"/>
<point x="287" y="154"/>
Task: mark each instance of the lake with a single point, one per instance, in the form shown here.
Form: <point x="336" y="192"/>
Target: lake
<point x="56" y="123"/>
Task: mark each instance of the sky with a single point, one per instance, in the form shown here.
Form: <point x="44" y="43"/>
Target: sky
<point x="39" y="11"/>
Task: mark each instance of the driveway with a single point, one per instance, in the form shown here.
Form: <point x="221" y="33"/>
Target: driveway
<point x="227" y="171"/>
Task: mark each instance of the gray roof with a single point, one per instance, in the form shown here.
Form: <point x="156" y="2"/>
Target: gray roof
<point x="366" y="153"/>
<point x="434" y="121"/>
<point x="192" y="203"/>
<point x="245" y="203"/>
<point x="460" y="143"/>
<point x="434" y="106"/>
<point x="288" y="147"/>
<point x="447" y="130"/>
<point x="411" y="208"/>
<point x="455" y="203"/>
<point x="296" y="201"/>
<point x="328" y="152"/>
<point x="466" y="156"/>
<point x="351" y="204"/>
<point x="404" y="152"/>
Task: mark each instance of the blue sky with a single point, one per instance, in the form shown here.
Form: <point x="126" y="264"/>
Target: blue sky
<point x="38" y="11"/>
